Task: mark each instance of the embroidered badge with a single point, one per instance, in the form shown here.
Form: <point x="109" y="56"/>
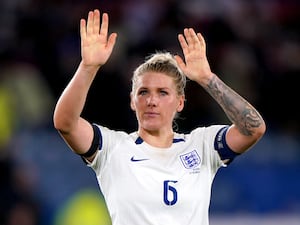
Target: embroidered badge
<point x="190" y="160"/>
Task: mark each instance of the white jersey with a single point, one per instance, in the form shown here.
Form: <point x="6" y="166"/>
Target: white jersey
<point x="144" y="185"/>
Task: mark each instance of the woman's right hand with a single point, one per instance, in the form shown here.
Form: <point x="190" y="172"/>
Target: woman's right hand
<point x="96" y="44"/>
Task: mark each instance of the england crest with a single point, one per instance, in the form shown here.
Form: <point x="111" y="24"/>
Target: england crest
<point x="191" y="159"/>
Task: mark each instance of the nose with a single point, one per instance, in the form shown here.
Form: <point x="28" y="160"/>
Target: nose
<point x="152" y="100"/>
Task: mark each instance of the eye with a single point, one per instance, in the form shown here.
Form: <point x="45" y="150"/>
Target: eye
<point x="142" y="92"/>
<point x="163" y="93"/>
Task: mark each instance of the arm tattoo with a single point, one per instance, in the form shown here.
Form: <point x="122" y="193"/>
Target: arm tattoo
<point x="238" y="110"/>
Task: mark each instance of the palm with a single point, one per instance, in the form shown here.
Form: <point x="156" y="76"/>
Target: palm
<point x="96" y="46"/>
<point x="194" y="50"/>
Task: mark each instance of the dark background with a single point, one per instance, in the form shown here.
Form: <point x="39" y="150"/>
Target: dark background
<point x="252" y="45"/>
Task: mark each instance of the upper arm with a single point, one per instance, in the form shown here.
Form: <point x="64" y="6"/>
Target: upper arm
<point x="80" y="138"/>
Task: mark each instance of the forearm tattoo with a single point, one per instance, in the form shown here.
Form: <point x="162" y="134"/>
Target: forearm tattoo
<point x="238" y="110"/>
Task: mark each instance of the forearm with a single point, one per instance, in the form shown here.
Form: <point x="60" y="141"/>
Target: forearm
<point x="71" y="103"/>
<point x="240" y="112"/>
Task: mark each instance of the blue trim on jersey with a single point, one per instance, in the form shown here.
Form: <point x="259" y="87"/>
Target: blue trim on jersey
<point x="176" y="140"/>
<point x="96" y="143"/>
<point x="221" y="146"/>
<point x="100" y="137"/>
<point x="139" y="140"/>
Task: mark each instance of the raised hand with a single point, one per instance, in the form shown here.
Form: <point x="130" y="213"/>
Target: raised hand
<point x="96" y="44"/>
<point x="195" y="65"/>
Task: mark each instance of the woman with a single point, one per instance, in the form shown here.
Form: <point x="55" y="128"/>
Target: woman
<point x="155" y="175"/>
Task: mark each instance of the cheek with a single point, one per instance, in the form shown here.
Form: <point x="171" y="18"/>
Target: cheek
<point x="171" y="108"/>
<point x="136" y="103"/>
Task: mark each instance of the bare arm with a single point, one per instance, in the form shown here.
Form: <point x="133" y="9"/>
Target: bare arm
<point x="247" y="124"/>
<point x="96" y="48"/>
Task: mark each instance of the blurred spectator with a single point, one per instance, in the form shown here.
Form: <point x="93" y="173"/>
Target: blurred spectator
<point x="84" y="207"/>
<point x="26" y="104"/>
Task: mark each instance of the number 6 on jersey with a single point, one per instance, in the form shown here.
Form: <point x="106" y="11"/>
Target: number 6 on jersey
<point x="170" y="193"/>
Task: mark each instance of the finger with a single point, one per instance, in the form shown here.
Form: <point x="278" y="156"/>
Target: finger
<point x="194" y="37"/>
<point x="104" y="25"/>
<point x="90" y="22"/>
<point x="111" y="41"/>
<point x="183" y="44"/>
<point x="96" y="25"/>
<point x="182" y="41"/>
<point x="201" y="40"/>
<point x="82" y="29"/>
<point x="188" y="36"/>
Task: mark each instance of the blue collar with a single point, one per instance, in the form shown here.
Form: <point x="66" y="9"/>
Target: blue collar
<point x="139" y="140"/>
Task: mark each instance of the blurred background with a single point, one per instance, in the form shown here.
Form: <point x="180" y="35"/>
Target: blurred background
<point x="252" y="45"/>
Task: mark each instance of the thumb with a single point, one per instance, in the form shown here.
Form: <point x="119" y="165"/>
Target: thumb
<point x="180" y="62"/>
<point x="111" y="41"/>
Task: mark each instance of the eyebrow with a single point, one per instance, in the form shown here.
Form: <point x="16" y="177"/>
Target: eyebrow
<point x="159" y="88"/>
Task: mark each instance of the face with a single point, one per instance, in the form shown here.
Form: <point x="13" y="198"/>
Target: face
<point x="155" y="101"/>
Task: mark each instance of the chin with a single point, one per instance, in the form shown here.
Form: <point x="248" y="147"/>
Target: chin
<point x="152" y="127"/>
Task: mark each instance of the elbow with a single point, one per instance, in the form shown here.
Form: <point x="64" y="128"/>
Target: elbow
<point x="261" y="130"/>
<point x="241" y="141"/>
<point x="258" y="133"/>
<point x="61" y="123"/>
<point x="57" y="123"/>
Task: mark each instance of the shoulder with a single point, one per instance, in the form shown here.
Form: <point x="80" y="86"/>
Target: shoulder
<point x="205" y="131"/>
<point x="105" y="131"/>
<point x="109" y="137"/>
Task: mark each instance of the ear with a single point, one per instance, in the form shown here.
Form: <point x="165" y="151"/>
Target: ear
<point x="132" y="105"/>
<point x="181" y="103"/>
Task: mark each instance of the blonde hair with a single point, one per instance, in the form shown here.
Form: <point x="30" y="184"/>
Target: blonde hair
<point x="162" y="62"/>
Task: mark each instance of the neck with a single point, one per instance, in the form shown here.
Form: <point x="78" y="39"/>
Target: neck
<point x="157" y="138"/>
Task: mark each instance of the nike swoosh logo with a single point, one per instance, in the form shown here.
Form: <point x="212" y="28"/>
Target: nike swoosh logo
<point x="137" y="160"/>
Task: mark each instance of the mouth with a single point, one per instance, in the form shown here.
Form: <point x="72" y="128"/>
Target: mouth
<point x="151" y="114"/>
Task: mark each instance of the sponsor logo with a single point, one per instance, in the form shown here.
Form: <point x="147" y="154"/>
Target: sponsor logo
<point x="133" y="159"/>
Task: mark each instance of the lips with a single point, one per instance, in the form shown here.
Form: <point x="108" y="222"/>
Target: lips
<point x="151" y="114"/>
